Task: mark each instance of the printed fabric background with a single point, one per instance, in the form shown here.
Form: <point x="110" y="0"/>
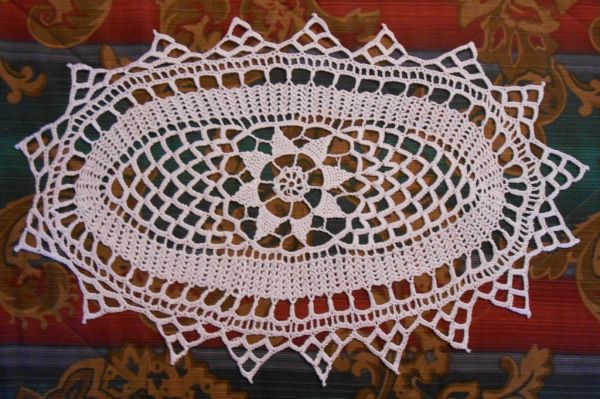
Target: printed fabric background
<point x="45" y="351"/>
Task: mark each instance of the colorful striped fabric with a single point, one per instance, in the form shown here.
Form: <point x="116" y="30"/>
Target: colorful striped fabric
<point x="45" y="351"/>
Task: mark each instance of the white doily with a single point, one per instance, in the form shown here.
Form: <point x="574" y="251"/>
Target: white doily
<point x="297" y="195"/>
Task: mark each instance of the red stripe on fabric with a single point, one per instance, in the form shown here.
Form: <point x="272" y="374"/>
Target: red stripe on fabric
<point x="128" y="22"/>
<point x="426" y="25"/>
<point x="560" y="322"/>
<point x="572" y="36"/>
<point x="13" y="20"/>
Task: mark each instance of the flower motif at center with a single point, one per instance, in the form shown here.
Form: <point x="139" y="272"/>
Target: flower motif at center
<point x="290" y="185"/>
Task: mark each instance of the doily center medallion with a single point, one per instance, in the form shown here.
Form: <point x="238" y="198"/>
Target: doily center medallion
<point x="291" y="184"/>
<point x="297" y="195"/>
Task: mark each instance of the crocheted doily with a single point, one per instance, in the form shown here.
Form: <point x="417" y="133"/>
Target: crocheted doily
<point x="297" y="195"/>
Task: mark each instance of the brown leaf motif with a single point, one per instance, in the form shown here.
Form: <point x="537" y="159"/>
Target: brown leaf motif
<point x="21" y="83"/>
<point x="595" y="33"/>
<point x="66" y="23"/>
<point x="588" y="93"/>
<point x="525" y="378"/>
<point x="109" y="58"/>
<point x="31" y="287"/>
<point x="421" y="363"/>
<point x="588" y="273"/>
<point x="427" y="360"/>
<point x="472" y="10"/>
<point x="137" y="372"/>
<point x="586" y="259"/>
<point x="194" y="23"/>
<point x="278" y="20"/>
<point x="518" y="37"/>
<point x="517" y="33"/>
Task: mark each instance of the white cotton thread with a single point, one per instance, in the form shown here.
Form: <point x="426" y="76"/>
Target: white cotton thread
<point x="297" y="195"/>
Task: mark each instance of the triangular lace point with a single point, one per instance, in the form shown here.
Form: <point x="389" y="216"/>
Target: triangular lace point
<point x="243" y="27"/>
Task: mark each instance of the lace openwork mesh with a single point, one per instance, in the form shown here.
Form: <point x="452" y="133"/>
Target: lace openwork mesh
<point x="297" y="195"/>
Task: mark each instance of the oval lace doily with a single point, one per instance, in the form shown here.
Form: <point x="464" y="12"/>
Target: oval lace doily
<point x="297" y="195"/>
